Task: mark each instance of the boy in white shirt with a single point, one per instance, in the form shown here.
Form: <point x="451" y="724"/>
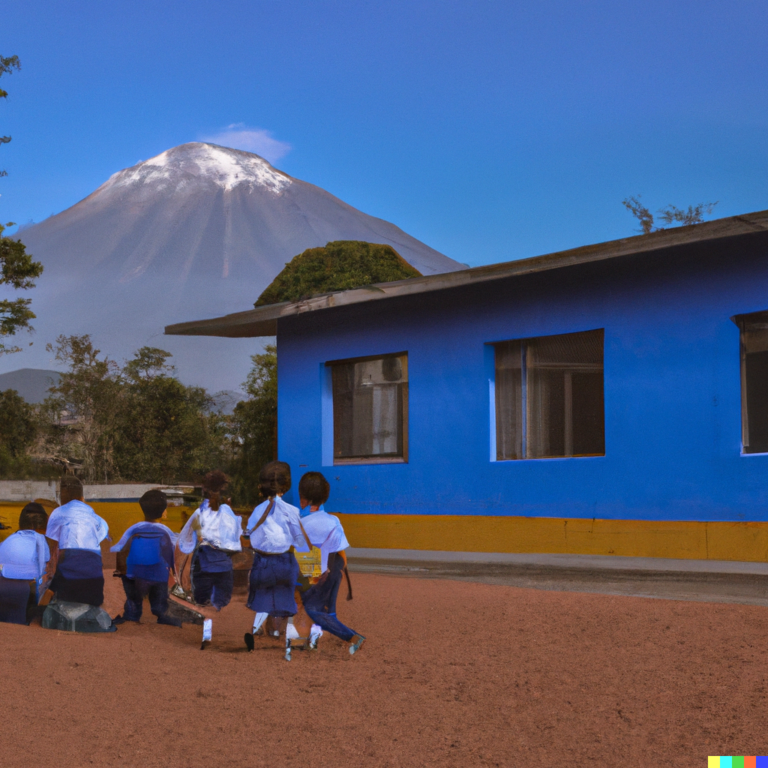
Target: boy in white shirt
<point x="325" y="532"/>
<point x="78" y="532"/>
<point x="24" y="556"/>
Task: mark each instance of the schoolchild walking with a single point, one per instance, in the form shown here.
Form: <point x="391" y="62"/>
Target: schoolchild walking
<point x="327" y="534"/>
<point x="212" y="536"/>
<point x="274" y="529"/>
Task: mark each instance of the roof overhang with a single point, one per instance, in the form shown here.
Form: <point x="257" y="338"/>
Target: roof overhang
<point x="263" y="320"/>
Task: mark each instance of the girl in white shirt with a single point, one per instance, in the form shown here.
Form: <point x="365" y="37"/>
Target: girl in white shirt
<point x="273" y="528"/>
<point x="212" y="536"/>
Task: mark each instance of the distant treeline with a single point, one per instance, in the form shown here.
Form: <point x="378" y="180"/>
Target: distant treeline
<point x="138" y="423"/>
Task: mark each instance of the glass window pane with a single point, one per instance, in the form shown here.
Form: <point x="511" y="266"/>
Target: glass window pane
<point x="564" y="395"/>
<point x="509" y="401"/>
<point x="369" y="403"/>
<point x="754" y="341"/>
<point x="549" y="396"/>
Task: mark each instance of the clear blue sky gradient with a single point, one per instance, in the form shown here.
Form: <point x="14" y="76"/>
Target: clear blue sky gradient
<point x="489" y="130"/>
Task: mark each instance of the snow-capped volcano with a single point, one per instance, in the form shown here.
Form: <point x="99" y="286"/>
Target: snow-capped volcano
<point x="197" y="231"/>
<point x="197" y="164"/>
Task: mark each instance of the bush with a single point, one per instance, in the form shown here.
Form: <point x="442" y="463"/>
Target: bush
<point x="339" y="266"/>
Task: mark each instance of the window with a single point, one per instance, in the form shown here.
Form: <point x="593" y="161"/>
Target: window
<point x="370" y="409"/>
<point x="754" y="381"/>
<point x="549" y="397"/>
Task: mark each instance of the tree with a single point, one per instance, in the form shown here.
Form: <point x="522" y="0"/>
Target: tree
<point x="669" y="215"/>
<point x="7" y="65"/>
<point x="18" y="429"/>
<point x="17" y="269"/>
<point x="83" y="406"/>
<point x="137" y="423"/>
<point x="338" y="266"/>
<point x="255" y="426"/>
<point x="164" y="431"/>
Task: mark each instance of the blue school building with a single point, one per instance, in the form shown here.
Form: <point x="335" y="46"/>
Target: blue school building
<point x="611" y="399"/>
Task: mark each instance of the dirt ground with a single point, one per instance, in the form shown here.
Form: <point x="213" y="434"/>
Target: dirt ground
<point x="452" y="674"/>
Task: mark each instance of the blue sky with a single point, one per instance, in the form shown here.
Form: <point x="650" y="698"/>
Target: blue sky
<point x="489" y="130"/>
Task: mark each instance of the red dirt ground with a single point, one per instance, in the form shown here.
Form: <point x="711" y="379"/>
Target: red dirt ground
<point x="452" y="674"/>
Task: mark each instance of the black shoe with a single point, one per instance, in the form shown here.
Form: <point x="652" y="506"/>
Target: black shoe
<point x="171" y="621"/>
<point x="248" y="641"/>
<point x="121" y="620"/>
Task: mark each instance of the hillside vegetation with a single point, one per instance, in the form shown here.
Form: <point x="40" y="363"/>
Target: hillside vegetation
<point x="339" y="266"/>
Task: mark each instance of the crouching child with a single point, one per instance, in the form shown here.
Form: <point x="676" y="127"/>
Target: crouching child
<point x="77" y="532"/>
<point x="327" y="534"/>
<point x="144" y="562"/>
<point x="24" y="556"/>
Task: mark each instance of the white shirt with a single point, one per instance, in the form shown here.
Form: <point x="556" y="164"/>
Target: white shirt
<point x="279" y="531"/>
<point x="221" y="528"/>
<point x="23" y="555"/>
<point x="325" y="532"/>
<point x="77" y="526"/>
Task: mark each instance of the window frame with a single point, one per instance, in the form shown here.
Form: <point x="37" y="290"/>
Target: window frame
<point x="743" y="322"/>
<point x="526" y="397"/>
<point x="403" y="409"/>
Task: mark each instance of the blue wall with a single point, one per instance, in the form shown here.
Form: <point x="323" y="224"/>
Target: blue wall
<point x="672" y="391"/>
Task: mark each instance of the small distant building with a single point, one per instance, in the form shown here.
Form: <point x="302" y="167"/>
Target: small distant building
<point x="611" y="399"/>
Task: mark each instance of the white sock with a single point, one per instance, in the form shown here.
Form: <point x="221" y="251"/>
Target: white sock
<point x="258" y="620"/>
<point x="315" y="634"/>
<point x="207" y="630"/>
<point x="291" y="633"/>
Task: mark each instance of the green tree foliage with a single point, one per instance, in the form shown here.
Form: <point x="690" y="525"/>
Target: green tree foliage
<point x="164" y="430"/>
<point x="339" y="266"/>
<point x="17" y="269"/>
<point x="18" y="429"/>
<point x="82" y="407"/>
<point x="137" y="423"/>
<point x="255" y="427"/>
<point x="670" y="215"/>
<point x="7" y="65"/>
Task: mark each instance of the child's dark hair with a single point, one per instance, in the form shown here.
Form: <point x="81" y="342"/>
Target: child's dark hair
<point x="153" y="503"/>
<point x="274" y="478"/>
<point x="215" y="482"/>
<point x="70" y="488"/>
<point x="33" y="517"/>
<point x="314" y="488"/>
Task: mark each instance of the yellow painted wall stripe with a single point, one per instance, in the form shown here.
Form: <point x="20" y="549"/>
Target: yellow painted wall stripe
<point x="463" y="533"/>
<point x="628" y="538"/>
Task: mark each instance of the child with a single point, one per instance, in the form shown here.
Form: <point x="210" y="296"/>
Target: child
<point x="274" y="527"/>
<point x="23" y="559"/>
<point x="326" y="533"/>
<point x="144" y="561"/>
<point x="78" y="532"/>
<point x="212" y="536"/>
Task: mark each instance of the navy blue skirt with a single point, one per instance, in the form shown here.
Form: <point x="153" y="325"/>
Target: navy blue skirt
<point x="272" y="583"/>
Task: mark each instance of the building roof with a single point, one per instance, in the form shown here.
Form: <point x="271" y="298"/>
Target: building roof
<point x="263" y="321"/>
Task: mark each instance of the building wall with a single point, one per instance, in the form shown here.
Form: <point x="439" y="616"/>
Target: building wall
<point x="672" y="399"/>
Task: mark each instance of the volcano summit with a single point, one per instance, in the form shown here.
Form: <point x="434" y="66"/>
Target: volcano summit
<point x="200" y="230"/>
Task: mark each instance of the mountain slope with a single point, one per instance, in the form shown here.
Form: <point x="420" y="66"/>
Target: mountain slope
<point x="197" y="231"/>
